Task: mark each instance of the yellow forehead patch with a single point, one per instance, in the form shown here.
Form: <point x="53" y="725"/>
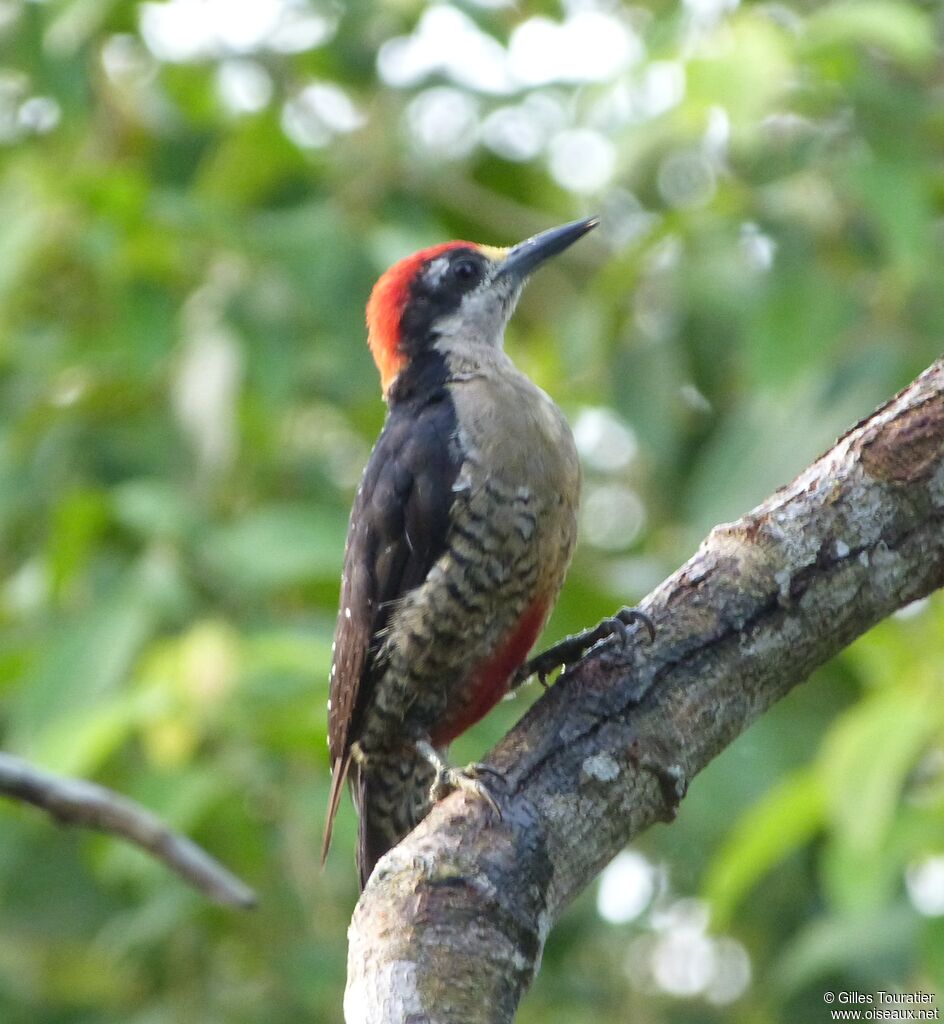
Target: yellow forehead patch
<point x="493" y="252"/>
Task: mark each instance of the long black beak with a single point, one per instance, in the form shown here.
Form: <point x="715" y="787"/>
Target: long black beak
<point x="523" y="258"/>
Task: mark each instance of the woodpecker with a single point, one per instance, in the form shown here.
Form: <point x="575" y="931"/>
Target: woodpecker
<point x="460" y="536"/>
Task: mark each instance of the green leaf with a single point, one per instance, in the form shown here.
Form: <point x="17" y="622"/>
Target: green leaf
<point x="87" y="658"/>
<point x="277" y="546"/>
<point x="154" y="508"/>
<point x="873" y="944"/>
<point x="78" y="522"/>
<point x="746" y="73"/>
<point x="868" y="755"/>
<point x="902" y="30"/>
<point x="80" y="743"/>
<point x="787" y="818"/>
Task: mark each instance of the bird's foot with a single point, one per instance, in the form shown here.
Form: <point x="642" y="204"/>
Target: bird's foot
<point x="618" y="629"/>
<point x="449" y="778"/>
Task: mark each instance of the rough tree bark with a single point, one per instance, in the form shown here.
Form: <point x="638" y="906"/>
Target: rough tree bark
<point x="452" y="924"/>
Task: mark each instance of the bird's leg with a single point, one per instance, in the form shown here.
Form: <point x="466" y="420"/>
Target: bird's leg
<point x="573" y="649"/>
<point x="449" y="778"/>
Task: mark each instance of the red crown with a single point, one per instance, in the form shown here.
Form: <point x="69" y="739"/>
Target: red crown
<point x="385" y="309"/>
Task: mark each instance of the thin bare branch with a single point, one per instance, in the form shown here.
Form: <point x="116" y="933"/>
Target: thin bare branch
<point x="88" y="805"/>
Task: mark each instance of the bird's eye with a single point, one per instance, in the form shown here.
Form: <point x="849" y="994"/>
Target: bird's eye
<point x="466" y="272"/>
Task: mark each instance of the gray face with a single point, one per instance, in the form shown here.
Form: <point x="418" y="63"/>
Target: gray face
<point x="459" y="298"/>
<point x="481" y="315"/>
<point x="462" y="299"/>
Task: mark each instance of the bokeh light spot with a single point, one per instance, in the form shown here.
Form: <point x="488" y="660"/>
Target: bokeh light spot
<point x="686" y="179"/>
<point x="582" y="160"/>
<point x="444" y="121"/>
<point x="924" y="881"/>
<point x="604" y="441"/>
<point x="626" y="887"/>
<point x="612" y="516"/>
<point x="244" y="85"/>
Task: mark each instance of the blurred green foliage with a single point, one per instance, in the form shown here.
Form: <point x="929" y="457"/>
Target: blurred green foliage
<point x="195" y="199"/>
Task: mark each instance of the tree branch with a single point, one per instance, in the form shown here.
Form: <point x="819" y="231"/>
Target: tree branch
<point x="452" y="923"/>
<point x="78" y="802"/>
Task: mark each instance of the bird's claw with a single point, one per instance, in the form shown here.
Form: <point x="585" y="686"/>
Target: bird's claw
<point x="573" y="649"/>
<point x="619" y="625"/>
<point x="449" y="778"/>
<point x="464" y="779"/>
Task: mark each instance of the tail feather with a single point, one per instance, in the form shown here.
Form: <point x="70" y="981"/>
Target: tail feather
<point x="391" y="794"/>
<point x="338" y="775"/>
<point x="374" y="836"/>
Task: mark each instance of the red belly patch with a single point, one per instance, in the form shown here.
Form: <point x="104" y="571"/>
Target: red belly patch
<point x="488" y="683"/>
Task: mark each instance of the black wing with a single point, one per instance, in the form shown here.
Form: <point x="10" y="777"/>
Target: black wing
<point x="397" y="531"/>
